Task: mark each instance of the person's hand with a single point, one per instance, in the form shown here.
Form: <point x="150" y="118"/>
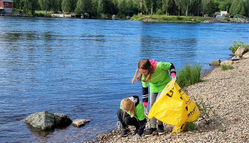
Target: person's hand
<point x="174" y="77"/>
<point x="119" y="125"/>
<point x="146" y="111"/>
<point x="137" y="136"/>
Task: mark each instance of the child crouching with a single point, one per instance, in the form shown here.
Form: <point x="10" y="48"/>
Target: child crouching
<point x="132" y="113"/>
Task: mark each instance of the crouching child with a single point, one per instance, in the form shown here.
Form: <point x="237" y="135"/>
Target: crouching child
<point x="131" y="112"/>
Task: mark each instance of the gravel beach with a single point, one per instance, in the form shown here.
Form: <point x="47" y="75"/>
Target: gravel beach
<point x="227" y="92"/>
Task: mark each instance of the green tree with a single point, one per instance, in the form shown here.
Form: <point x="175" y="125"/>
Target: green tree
<point x="94" y="7"/>
<point x="186" y="5"/>
<point x="165" y="6"/>
<point x="68" y="5"/>
<point x="65" y="5"/>
<point x="18" y="4"/>
<point x="101" y="6"/>
<point x="224" y="5"/>
<point x="122" y="8"/>
<point x="45" y="5"/>
<point x="30" y="6"/>
<point x="56" y="5"/>
<point x="247" y="8"/>
<point x="83" y="6"/>
<point x="211" y="7"/>
<point x="237" y="7"/>
<point x="149" y="4"/>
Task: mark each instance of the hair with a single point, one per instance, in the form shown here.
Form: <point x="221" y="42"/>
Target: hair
<point x="128" y="105"/>
<point x="146" y="65"/>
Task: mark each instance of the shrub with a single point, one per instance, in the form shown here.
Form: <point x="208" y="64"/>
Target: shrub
<point x="227" y="19"/>
<point x="189" y="75"/>
<point x="166" y="18"/>
<point x="226" y="67"/>
<point x="206" y="110"/>
<point x="136" y="17"/>
<point x="159" y="12"/>
<point x="236" y="45"/>
<point x="179" y="18"/>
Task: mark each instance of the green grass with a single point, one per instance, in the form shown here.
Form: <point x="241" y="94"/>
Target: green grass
<point x="190" y="126"/>
<point x="41" y="13"/>
<point x="167" y="18"/>
<point x="226" y="67"/>
<point x="207" y="110"/>
<point x="236" y="45"/>
<point x="189" y="75"/>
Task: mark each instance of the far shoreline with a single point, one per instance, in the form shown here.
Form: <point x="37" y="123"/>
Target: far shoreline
<point x="146" y="18"/>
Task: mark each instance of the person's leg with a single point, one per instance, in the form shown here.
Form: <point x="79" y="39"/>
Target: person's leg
<point x="153" y="97"/>
<point x="160" y="127"/>
<point x="157" y="96"/>
<point x="122" y="116"/>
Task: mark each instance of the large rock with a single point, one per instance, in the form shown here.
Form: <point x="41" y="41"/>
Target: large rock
<point x="240" y="51"/>
<point x="228" y="63"/>
<point x="61" y="120"/>
<point x="215" y="63"/>
<point x="47" y="121"/>
<point x="246" y="55"/>
<point x="80" y="122"/>
<point x="42" y="120"/>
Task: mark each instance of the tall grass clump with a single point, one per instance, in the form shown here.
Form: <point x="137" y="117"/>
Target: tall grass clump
<point x="226" y="67"/>
<point x="236" y="45"/>
<point x="189" y="75"/>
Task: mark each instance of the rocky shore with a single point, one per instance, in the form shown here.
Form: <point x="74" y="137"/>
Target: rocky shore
<point x="227" y="92"/>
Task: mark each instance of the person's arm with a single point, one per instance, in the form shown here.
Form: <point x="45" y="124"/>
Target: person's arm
<point x="141" y="118"/>
<point x="172" y="71"/>
<point x="170" y="67"/>
<point x="144" y="92"/>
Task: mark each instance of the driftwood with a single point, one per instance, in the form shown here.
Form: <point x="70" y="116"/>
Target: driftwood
<point x="80" y="122"/>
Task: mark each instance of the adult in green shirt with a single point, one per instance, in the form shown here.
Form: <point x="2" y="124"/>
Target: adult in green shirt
<point x="156" y="75"/>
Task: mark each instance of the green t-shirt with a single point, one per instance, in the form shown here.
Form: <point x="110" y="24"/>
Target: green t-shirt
<point x="159" y="79"/>
<point x="139" y="112"/>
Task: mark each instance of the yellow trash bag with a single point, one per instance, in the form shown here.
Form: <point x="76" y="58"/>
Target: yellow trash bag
<point x="174" y="107"/>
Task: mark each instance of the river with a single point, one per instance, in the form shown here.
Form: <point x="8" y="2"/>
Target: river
<point x="83" y="68"/>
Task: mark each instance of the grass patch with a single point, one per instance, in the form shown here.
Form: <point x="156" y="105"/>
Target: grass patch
<point x="226" y="67"/>
<point x="189" y="75"/>
<point x="190" y="126"/>
<point x="169" y="18"/>
<point x="207" y="111"/>
<point x="236" y="45"/>
<point x="41" y="13"/>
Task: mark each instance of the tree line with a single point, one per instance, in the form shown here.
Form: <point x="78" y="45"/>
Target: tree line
<point x="123" y="8"/>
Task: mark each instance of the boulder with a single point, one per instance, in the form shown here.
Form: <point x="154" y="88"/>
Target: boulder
<point x="240" y="51"/>
<point x="246" y="55"/>
<point x="42" y="120"/>
<point x="61" y="120"/>
<point x="80" y="122"/>
<point x="113" y="17"/>
<point x="215" y="63"/>
<point x="228" y="63"/>
<point x="47" y="121"/>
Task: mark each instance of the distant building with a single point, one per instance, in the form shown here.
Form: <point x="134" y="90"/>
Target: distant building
<point x="6" y="6"/>
<point x="223" y="13"/>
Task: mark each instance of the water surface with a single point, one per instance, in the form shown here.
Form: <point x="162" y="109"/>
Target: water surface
<point x="83" y="68"/>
